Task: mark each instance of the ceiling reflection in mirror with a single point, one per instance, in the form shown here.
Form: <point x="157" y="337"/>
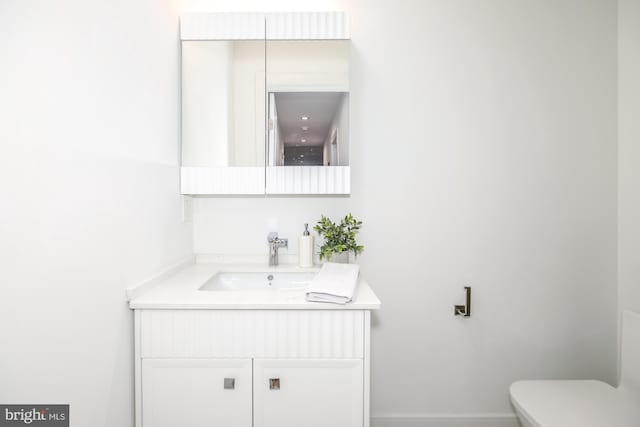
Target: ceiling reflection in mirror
<point x="306" y="127"/>
<point x="307" y="85"/>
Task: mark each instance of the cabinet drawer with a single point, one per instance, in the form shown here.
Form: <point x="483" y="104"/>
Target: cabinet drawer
<point x="196" y="392"/>
<point x="252" y="333"/>
<point x="309" y="393"/>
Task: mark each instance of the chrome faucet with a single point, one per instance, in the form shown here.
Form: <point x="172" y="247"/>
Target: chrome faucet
<point x="275" y="242"/>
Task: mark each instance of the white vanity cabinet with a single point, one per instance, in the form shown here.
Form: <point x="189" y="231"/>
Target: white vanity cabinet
<point x="244" y="368"/>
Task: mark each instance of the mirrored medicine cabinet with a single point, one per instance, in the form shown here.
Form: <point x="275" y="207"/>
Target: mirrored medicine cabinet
<point x="265" y="104"/>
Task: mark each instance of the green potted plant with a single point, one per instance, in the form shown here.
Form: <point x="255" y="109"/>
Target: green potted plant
<point x="339" y="239"/>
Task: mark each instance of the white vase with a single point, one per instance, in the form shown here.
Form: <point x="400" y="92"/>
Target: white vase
<point x="342" y="258"/>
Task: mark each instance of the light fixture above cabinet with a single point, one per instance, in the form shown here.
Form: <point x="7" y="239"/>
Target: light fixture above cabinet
<point x="265" y="103"/>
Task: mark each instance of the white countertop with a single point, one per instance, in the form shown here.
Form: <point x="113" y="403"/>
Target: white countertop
<point x="179" y="290"/>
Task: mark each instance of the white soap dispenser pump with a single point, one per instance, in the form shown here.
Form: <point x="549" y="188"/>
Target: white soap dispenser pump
<point x="306" y="249"/>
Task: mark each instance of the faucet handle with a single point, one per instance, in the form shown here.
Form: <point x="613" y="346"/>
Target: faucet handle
<point x="272" y="236"/>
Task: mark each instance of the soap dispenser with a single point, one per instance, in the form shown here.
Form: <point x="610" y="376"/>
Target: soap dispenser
<point x="306" y="248"/>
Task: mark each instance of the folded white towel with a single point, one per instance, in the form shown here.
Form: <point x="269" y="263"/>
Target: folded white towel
<point x="334" y="283"/>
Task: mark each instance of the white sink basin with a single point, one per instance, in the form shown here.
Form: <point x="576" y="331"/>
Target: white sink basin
<point x="238" y="281"/>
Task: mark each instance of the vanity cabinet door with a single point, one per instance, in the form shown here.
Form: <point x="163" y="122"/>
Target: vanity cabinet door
<point x="196" y="392"/>
<point x="310" y="393"/>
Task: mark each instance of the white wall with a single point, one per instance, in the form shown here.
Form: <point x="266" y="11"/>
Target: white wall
<point x="89" y="130"/>
<point x="629" y="154"/>
<point x="299" y="66"/>
<point x="503" y="114"/>
<point x="339" y="129"/>
<point x="344" y="132"/>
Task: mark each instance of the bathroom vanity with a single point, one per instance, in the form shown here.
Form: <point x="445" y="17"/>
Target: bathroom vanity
<point x="239" y="346"/>
<point x="265" y="110"/>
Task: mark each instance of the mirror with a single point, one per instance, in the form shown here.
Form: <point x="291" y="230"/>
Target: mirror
<point x="307" y="87"/>
<point x="223" y="103"/>
<point x="265" y="111"/>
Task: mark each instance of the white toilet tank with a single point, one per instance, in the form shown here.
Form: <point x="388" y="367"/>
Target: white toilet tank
<point x="586" y="403"/>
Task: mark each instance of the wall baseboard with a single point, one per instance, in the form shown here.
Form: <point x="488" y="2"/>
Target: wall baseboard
<point x="446" y="420"/>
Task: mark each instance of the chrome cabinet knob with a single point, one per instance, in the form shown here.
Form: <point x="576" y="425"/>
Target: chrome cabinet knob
<point x="274" y="383"/>
<point x="229" y="383"/>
